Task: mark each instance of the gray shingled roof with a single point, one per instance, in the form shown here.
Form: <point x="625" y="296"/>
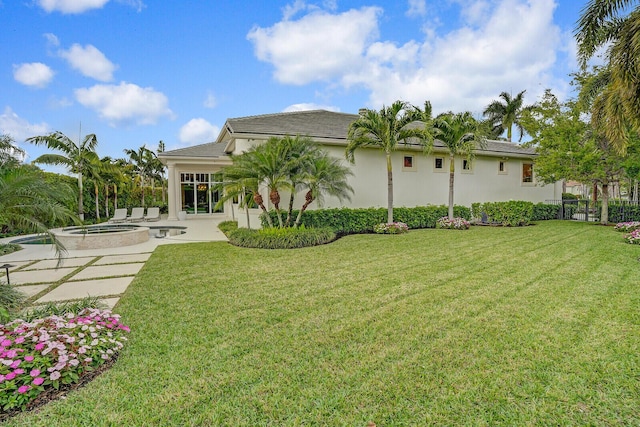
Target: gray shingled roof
<point x="315" y="123"/>
<point x="210" y="149"/>
<point x="318" y="124"/>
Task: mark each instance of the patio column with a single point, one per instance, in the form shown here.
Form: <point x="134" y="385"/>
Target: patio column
<point x="172" y="199"/>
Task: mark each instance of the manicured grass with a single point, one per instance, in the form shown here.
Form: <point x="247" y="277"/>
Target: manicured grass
<point x="492" y="326"/>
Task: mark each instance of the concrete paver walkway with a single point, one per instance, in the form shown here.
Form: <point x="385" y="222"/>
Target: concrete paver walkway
<point x="104" y="273"/>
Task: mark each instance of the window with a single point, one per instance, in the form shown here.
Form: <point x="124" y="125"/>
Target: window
<point x="502" y="167"/>
<point x="527" y="173"/>
<point x="408" y="163"/>
<point x="439" y="164"/>
<point x="467" y="166"/>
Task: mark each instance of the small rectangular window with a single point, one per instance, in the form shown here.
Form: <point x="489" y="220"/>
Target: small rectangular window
<point x="502" y="167"/>
<point x="527" y="173"/>
<point x="439" y="163"/>
<point x="408" y="163"/>
<point x="467" y="166"/>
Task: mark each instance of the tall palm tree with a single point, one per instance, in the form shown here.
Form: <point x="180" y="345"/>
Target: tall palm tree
<point x="613" y="24"/>
<point x="385" y="130"/>
<point x="141" y="160"/>
<point x="75" y="157"/>
<point x="324" y="175"/>
<point x="503" y="115"/>
<point x="460" y="133"/>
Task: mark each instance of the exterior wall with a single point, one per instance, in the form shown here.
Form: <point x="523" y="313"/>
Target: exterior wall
<point x="175" y="169"/>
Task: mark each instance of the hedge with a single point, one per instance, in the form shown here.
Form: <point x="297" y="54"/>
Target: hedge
<point x="362" y="220"/>
<point x="512" y="213"/>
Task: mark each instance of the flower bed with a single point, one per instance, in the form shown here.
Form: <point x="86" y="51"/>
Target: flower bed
<point x="391" y="228"/>
<point x="55" y="351"/>
<point x="633" y="237"/>
<point x="627" y="226"/>
<point x="453" y="223"/>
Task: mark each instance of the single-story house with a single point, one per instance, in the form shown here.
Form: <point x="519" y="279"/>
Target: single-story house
<point x="501" y="171"/>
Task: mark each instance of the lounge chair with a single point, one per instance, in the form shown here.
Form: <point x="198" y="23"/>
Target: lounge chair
<point x="153" y="214"/>
<point x="120" y="215"/>
<point x="137" y="214"/>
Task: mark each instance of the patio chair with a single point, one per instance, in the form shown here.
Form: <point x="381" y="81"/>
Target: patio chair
<point x="120" y="215"/>
<point x="153" y="214"/>
<point x="137" y="214"/>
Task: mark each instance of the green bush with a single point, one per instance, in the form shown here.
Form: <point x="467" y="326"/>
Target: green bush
<point x="281" y="238"/>
<point x="569" y="196"/>
<point x="362" y="220"/>
<point x="11" y="298"/>
<point x="545" y="211"/>
<point x="512" y="213"/>
<point x="620" y="212"/>
<point x="227" y="226"/>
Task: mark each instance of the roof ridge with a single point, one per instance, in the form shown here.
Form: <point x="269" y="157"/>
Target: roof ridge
<point x="285" y="113"/>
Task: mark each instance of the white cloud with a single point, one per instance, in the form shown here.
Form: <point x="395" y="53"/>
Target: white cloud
<point x="34" y="74"/>
<point x="89" y="61"/>
<point x="417" y="8"/>
<point x="308" y="107"/>
<point x="318" y="46"/>
<point x="125" y="103"/>
<point x="463" y="69"/>
<point x="52" y="39"/>
<point x="198" y="131"/>
<point x="19" y="128"/>
<point x="210" y="101"/>
<point x="71" y="6"/>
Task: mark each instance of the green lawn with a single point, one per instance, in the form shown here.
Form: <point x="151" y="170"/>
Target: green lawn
<point x="493" y="326"/>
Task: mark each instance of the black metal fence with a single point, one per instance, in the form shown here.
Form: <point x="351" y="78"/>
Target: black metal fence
<point x="587" y="210"/>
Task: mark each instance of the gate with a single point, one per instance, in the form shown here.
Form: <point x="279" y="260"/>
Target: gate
<point x="575" y="209"/>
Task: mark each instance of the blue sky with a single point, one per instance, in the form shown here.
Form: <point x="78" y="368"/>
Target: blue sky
<point x="136" y="72"/>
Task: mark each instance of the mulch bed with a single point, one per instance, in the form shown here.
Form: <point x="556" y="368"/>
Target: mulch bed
<point x="52" y="394"/>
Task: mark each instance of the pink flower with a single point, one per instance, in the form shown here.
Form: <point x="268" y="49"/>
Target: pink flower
<point x="5" y="343"/>
<point x="54" y="375"/>
<point x="19" y="340"/>
<point x="39" y="346"/>
<point x="34" y="372"/>
<point x="15" y="364"/>
<point x="38" y="381"/>
<point x="28" y="358"/>
<point x="19" y="371"/>
<point x="24" y="389"/>
<point x="10" y="376"/>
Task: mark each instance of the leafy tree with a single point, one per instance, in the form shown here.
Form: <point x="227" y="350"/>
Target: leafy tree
<point x="613" y="25"/>
<point x="75" y="157"/>
<point x="142" y="162"/>
<point x="385" y="130"/>
<point x="461" y="134"/>
<point x="503" y="115"/>
<point x="9" y="152"/>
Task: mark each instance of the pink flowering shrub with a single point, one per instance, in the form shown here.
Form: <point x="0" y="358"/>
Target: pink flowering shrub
<point x="633" y="237"/>
<point x="45" y="353"/>
<point x="454" y="223"/>
<point x="627" y="226"/>
<point x="391" y="228"/>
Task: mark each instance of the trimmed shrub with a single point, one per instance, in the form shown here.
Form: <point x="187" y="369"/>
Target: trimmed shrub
<point x="7" y="248"/>
<point x="545" y="211"/>
<point x="512" y="213"/>
<point x="362" y="220"/>
<point x="228" y="226"/>
<point x="281" y="238"/>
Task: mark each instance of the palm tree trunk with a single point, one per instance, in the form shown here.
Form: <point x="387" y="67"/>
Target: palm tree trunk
<point x="452" y="170"/>
<point x="604" y="212"/>
<point x="95" y="190"/>
<point x="257" y="197"/>
<point x="246" y="210"/>
<point x="115" y="196"/>
<point x="290" y="211"/>
<point x="389" y="189"/>
<point x="106" y="201"/>
<point x="80" y="199"/>
<point x="309" y="199"/>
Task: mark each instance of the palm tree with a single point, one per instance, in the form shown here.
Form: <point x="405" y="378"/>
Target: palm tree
<point x="504" y="115"/>
<point x="460" y="133"/>
<point x="614" y="24"/>
<point x="324" y="175"/>
<point x="31" y="203"/>
<point x="75" y="157"/>
<point x="385" y="130"/>
<point x="141" y="161"/>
